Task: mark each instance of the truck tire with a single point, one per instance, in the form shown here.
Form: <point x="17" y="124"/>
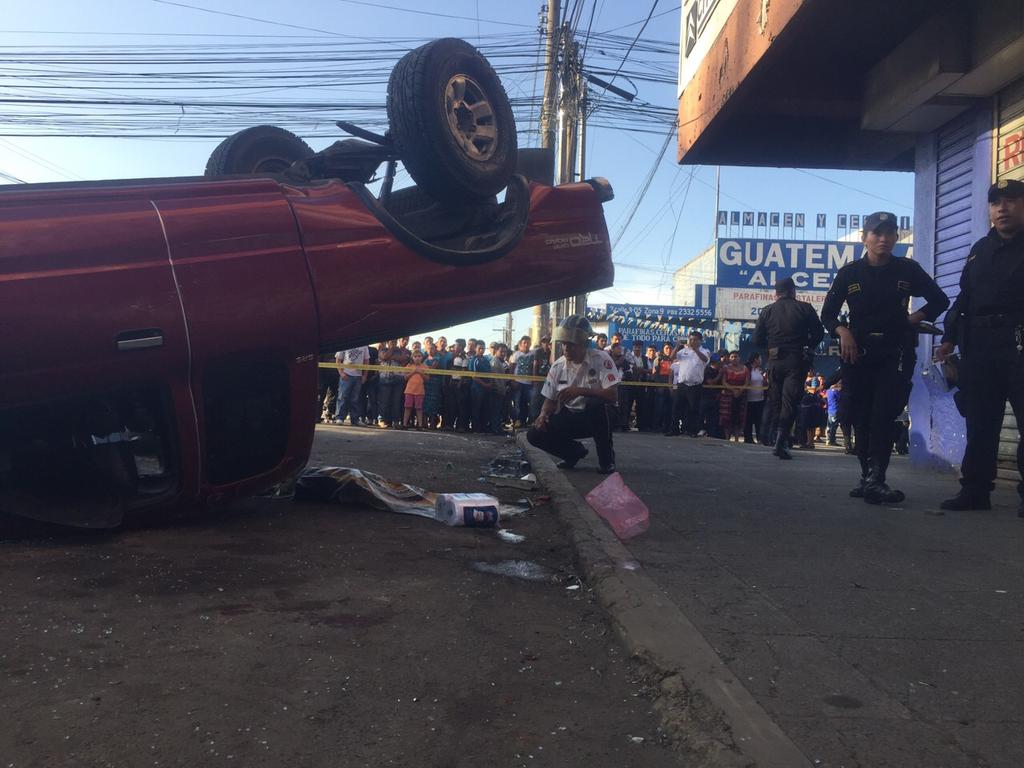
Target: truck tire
<point x="451" y="121"/>
<point x="260" y="149"/>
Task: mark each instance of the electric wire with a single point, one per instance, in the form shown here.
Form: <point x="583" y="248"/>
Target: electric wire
<point x="384" y="6"/>
<point x="11" y="177"/>
<point x="897" y="203"/>
<point x="644" y="187"/>
<point x="268" y="21"/>
<point x="625" y="56"/>
<point x="205" y="90"/>
<point x="40" y="161"/>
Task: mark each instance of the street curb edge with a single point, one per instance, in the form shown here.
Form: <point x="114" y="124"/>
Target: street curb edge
<point x="697" y="687"/>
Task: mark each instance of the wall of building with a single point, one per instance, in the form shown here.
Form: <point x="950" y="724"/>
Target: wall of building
<point x="700" y="270"/>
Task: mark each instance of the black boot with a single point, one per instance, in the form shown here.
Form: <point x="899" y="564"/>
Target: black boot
<point x="571" y="463"/>
<point x="877" y="492"/>
<point x="865" y="470"/>
<point x="781" y="450"/>
<point x="858" y="491"/>
<point x="966" y="500"/>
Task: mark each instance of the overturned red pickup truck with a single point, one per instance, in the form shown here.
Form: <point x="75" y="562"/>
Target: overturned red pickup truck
<point x="161" y="337"/>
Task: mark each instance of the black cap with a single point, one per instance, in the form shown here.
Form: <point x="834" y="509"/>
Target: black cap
<point x="878" y="219"/>
<point x="1005" y="188"/>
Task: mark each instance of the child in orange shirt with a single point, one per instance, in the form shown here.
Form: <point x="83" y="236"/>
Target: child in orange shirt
<point x="415" y="388"/>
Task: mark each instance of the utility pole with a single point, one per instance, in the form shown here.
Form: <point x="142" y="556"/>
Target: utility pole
<point x="569" y="109"/>
<point x="542" y="312"/>
<point x="549" y="105"/>
<point x="570" y="152"/>
<point x="580" y="301"/>
<point x="506" y="331"/>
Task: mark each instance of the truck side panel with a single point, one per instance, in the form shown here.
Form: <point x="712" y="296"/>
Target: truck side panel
<point x="370" y="286"/>
<point x="252" y="320"/>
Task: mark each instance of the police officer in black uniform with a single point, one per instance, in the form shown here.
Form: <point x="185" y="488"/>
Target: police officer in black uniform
<point x="987" y="323"/>
<point x="790" y="330"/>
<point x="877" y="345"/>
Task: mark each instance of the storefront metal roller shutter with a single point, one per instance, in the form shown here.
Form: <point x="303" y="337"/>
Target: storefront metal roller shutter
<point x="954" y="176"/>
<point x="1009" y="159"/>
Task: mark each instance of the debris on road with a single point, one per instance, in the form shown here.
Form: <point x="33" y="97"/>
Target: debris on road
<point x="347" y="485"/>
<point x="517" y="569"/>
<point x="472" y="510"/>
<point x="511" y="464"/>
<point x="525" y="483"/>
<point x="510" y="538"/>
<point x="619" y="507"/>
<point x="511" y="470"/>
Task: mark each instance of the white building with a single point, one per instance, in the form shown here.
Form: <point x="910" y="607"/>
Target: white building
<point x="700" y="270"/>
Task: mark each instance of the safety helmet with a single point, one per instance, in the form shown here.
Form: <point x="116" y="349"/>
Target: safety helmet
<point x="574" y="329"/>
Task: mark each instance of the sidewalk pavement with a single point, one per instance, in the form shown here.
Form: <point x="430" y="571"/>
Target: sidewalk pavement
<point x="872" y="636"/>
<point x="282" y="634"/>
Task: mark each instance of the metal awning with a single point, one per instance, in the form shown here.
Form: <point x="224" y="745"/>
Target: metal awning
<point x="839" y="84"/>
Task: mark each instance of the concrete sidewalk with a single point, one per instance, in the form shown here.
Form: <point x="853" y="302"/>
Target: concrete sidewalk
<point x="873" y="636"/>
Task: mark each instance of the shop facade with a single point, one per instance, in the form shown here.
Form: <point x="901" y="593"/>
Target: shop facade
<point x="938" y="90"/>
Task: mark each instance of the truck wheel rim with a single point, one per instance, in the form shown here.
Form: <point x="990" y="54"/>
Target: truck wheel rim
<point x="470" y="117"/>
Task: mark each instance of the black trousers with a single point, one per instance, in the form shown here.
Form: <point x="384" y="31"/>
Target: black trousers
<point x="369" y="397"/>
<point x="686" y="400"/>
<point x="645" y="409"/>
<point x="755" y="413"/>
<point x="450" y="402"/>
<point x="566" y="428"/>
<point x="987" y="385"/>
<point x="465" y="403"/>
<point x="878" y="386"/>
<point x="628" y="395"/>
<point x="480" y="399"/>
<point x="786" y="376"/>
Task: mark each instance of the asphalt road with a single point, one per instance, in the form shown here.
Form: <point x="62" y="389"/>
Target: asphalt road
<point x="873" y="636"/>
<point x="283" y="634"/>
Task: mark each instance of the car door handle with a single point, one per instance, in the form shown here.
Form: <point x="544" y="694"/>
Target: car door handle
<point x="143" y="338"/>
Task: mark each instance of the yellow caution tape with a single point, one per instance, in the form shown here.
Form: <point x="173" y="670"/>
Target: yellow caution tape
<point x="462" y="372"/>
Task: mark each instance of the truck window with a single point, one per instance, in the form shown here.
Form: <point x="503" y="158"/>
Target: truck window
<point x="246" y="411"/>
<point x="88" y="461"/>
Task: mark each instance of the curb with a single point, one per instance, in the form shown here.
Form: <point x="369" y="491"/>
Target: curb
<point x="702" y="704"/>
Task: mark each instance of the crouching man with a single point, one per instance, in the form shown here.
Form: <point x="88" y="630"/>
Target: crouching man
<point x="579" y="397"/>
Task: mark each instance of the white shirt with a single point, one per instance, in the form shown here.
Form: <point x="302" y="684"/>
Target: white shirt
<point x="755" y="395"/>
<point x="458" y="362"/>
<point x="597" y="371"/>
<point x="357" y="356"/>
<point x="688" y="367"/>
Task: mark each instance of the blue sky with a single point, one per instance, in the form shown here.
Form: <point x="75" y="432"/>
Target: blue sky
<point x="673" y="223"/>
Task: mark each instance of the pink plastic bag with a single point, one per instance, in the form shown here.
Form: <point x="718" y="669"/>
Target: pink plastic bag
<point x="620" y="507"/>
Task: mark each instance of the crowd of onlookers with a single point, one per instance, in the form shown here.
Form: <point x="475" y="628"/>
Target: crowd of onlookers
<point x="722" y="396"/>
<point x="410" y="397"/>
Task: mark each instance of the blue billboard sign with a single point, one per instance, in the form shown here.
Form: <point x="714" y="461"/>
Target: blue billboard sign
<point x="751" y="263"/>
<point x="658" y="324"/>
<point x="661" y="313"/>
